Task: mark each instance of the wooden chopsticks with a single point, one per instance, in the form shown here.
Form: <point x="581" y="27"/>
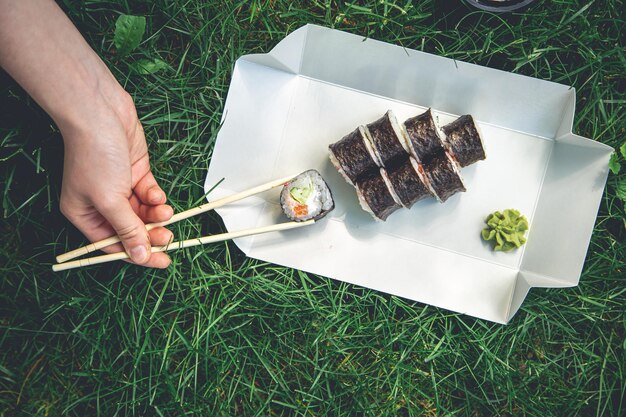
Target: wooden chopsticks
<point x="182" y="244"/>
<point x="63" y="258"/>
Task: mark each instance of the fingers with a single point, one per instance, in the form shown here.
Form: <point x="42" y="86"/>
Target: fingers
<point x="151" y="214"/>
<point x="158" y="260"/>
<point x="155" y="214"/>
<point x="159" y="236"/>
<point x="95" y="227"/>
<point x="128" y="226"/>
<point x="148" y="200"/>
<point x="136" y="235"/>
<point x="149" y="191"/>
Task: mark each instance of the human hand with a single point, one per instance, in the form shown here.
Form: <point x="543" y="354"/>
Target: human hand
<point x="108" y="187"/>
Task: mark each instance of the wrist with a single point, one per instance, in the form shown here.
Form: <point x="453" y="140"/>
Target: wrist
<point x="53" y="62"/>
<point x="92" y="94"/>
<point x="103" y="107"/>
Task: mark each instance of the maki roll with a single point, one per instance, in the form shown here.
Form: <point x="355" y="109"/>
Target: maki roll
<point x="353" y="155"/>
<point x="306" y="197"/>
<point x="423" y="137"/>
<point x="376" y="195"/>
<point x="443" y="176"/>
<point x="395" y="165"/>
<point x="409" y="182"/>
<point x="386" y="137"/>
<point x="464" y="141"/>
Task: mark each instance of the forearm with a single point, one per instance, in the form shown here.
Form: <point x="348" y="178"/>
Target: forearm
<point x="42" y="50"/>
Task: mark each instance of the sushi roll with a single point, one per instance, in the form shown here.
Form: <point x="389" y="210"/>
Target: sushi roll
<point x="306" y="197"/>
<point x="353" y="155"/>
<point x="443" y="176"/>
<point x="409" y="182"/>
<point x="377" y="196"/>
<point x="464" y="141"/>
<point x="387" y="139"/>
<point x="423" y="138"/>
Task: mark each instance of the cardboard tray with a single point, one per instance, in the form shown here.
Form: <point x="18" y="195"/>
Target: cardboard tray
<point x="285" y="107"/>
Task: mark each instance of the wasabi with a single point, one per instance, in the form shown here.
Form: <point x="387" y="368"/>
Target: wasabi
<point x="506" y="229"/>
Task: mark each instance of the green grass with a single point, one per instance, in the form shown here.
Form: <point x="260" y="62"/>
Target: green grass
<point x="219" y="334"/>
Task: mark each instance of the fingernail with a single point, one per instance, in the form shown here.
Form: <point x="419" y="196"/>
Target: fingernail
<point x="139" y="254"/>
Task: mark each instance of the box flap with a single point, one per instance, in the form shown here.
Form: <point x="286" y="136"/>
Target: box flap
<point x="286" y="55"/>
<point x="566" y="212"/>
<point x="572" y="187"/>
<point x="497" y="97"/>
<point x="518" y="295"/>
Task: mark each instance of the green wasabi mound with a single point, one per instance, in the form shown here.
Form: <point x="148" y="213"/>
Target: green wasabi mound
<point x="506" y="229"/>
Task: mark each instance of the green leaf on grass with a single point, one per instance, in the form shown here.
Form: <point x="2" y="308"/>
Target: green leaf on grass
<point x="614" y="166"/>
<point x="148" y="66"/>
<point x="129" y="31"/>
<point x="622" y="149"/>
<point x="621" y="189"/>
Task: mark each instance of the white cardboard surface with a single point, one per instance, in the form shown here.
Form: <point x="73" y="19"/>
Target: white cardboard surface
<point x="284" y="108"/>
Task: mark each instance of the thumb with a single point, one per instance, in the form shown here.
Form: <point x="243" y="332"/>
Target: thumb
<point x="129" y="227"/>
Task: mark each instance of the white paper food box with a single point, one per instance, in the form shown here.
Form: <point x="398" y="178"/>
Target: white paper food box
<point x="285" y="107"/>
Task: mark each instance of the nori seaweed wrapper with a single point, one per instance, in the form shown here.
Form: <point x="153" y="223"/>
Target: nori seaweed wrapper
<point x="353" y="156"/>
<point x="423" y="136"/>
<point x="443" y="176"/>
<point x="464" y="140"/>
<point x="386" y="140"/>
<point x="373" y="190"/>
<point x="407" y="183"/>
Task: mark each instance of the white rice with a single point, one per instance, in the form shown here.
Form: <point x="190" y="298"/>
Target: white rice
<point x="407" y="141"/>
<point x="318" y="201"/>
<point x="456" y="167"/>
<point x="369" y="145"/>
<point x="401" y="135"/>
<point x="335" y="162"/>
<point x="480" y="136"/>
<point x="369" y="140"/>
<point x="395" y="197"/>
<point x="325" y="194"/>
<point x="364" y="205"/>
<point x="442" y="136"/>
